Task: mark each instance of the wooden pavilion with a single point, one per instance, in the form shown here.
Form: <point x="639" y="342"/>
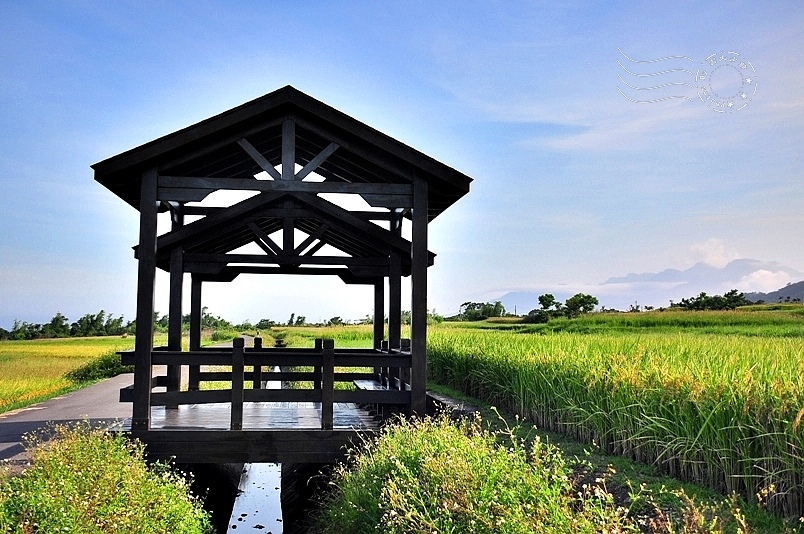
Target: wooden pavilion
<point x="287" y="149"/>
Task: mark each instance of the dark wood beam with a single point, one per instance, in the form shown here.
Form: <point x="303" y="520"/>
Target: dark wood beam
<point x="191" y="259"/>
<point x="418" y="327"/>
<point x="288" y="240"/>
<point x="288" y="150"/>
<point x="310" y="238"/>
<point x="146" y="274"/>
<point x="379" y="314"/>
<point x="248" y="184"/>
<point x="313" y="164"/>
<point x="174" y="315"/>
<point x="315" y="248"/>
<point x="259" y="158"/>
<point x="265" y="242"/>
<point x="217" y="222"/>
<point x="336" y="214"/>
<point x="195" y="328"/>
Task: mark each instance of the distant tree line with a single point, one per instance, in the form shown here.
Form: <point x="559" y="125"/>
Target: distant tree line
<point x="575" y="306"/>
<point x="97" y="324"/>
<point x="728" y="301"/>
<point x="478" y="311"/>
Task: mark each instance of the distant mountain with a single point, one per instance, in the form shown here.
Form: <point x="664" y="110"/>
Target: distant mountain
<point x="790" y="291"/>
<point x="659" y="289"/>
<point x="702" y="273"/>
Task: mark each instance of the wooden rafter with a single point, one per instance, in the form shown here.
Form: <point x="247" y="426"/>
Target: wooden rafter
<point x="264" y="241"/>
<point x="259" y="158"/>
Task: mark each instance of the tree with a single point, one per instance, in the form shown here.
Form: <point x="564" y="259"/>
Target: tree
<point x="729" y="301"/>
<point x="292" y="319"/>
<point x="301" y="320"/>
<point x="477" y="311"/>
<point x="59" y="326"/>
<point x="579" y="304"/>
<point x="547" y="301"/>
<point x="264" y="324"/>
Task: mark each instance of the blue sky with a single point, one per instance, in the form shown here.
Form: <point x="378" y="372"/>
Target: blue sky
<point x="574" y="183"/>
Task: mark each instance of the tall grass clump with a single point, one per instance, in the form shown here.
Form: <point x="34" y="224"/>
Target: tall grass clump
<point x="435" y="476"/>
<point x="90" y="481"/>
<point x="105" y="366"/>
<point x="725" y="411"/>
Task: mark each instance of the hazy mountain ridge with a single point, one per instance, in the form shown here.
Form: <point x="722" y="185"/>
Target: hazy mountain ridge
<point x="751" y="276"/>
<point x="791" y="291"/>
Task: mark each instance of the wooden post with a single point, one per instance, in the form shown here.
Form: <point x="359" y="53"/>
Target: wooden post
<point x="418" y="327"/>
<point x="379" y="312"/>
<point x="146" y="272"/>
<point x="379" y="318"/>
<point x="195" y="330"/>
<point x="237" y="383"/>
<point x="327" y="384"/>
<point x="174" y="315"/>
<point x="394" y="313"/>
<point x="256" y="382"/>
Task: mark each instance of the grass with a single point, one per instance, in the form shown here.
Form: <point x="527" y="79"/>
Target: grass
<point x="491" y="476"/>
<point x="32" y="371"/>
<point x="433" y="476"/>
<point x="90" y="481"/>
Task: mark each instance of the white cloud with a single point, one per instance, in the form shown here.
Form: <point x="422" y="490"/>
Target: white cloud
<point x="764" y="281"/>
<point x="712" y="252"/>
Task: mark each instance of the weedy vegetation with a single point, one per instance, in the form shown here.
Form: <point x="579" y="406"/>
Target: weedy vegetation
<point x="90" y="481"/>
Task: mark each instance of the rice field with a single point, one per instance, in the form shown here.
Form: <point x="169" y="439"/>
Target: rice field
<point x="724" y="410"/>
<point x="31" y="371"/>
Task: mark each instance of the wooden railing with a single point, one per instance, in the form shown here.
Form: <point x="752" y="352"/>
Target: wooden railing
<point x="329" y="365"/>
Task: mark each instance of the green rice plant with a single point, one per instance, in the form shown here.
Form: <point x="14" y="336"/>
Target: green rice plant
<point x="722" y="410"/>
<point x="90" y="481"/>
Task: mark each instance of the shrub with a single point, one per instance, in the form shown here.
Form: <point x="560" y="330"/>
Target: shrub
<point x="91" y="481"/>
<point x="435" y="476"/>
<point x="105" y="366"/>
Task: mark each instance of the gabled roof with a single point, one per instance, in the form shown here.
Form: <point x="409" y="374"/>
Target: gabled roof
<point x="210" y="149"/>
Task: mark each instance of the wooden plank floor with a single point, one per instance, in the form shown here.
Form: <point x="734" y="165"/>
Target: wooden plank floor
<point x="258" y="416"/>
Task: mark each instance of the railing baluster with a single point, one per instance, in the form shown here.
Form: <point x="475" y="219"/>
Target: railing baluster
<point x="404" y="378"/>
<point x="256" y="382"/>
<point x="237" y="384"/>
<point x="317" y="370"/>
<point x="327" y="383"/>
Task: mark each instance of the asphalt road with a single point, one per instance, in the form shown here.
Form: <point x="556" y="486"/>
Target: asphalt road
<point x="99" y="404"/>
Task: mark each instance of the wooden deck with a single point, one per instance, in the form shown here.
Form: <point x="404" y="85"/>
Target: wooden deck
<point x="272" y="432"/>
<point x="259" y="416"/>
